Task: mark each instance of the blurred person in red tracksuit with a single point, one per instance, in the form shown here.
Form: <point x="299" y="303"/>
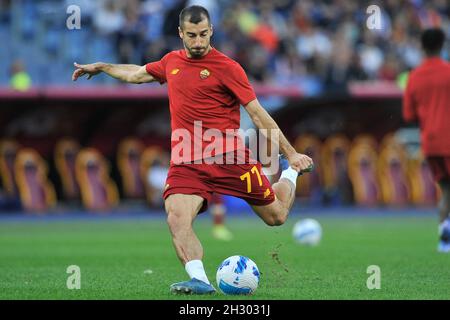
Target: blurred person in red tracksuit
<point x="427" y="100"/>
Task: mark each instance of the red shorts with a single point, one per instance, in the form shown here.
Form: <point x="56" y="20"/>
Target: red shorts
<point x="245" y="181"/>
<point x="440" y="167"/>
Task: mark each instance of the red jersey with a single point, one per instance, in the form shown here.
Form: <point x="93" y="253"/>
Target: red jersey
<point x="204" y="91"/>
<point x="427" y="99"/>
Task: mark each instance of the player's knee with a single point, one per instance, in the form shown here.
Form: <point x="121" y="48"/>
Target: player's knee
<point x="175" y="219"/>
<point x="276" y="219"/>
<point x="280" y="219"/>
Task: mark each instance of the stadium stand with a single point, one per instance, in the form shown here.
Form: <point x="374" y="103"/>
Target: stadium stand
<point x="336" y="184"/>
<point x="312" y="65"/>
<point x="98" y="191"/>
<point x="392" y="175"/>
<point x="316" y="45"/>
<point x="424" y="191"/>
<point x="66" y="151"/>
<point x="37" y="193"/>
<point x="309" y="186"/>
<point x="8" y="153"/>
<point x="153" y="169"/>
<point x="362" y="168"/>
<point x="128" y="161"/>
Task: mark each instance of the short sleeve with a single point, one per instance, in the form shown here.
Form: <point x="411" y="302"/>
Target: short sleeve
<point x="237" y="82"/>
<point x="158" y="69"/>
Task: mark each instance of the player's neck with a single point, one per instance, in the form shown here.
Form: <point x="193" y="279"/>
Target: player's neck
<point x="202" y="56"/>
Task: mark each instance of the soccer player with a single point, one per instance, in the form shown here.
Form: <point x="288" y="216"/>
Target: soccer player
<point x="427" y="100"/>
<point x="205" y="85"/>
<point x="220" y="230"/>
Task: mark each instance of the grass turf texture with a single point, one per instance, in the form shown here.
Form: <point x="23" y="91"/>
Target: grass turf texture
<point x="113" y="255"/>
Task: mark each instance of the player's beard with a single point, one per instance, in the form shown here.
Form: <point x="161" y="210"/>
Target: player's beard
<point x="196" y="53"/>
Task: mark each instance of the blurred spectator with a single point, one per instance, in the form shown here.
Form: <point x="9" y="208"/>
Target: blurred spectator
<point x="170" y="25"/>
<point x="314" y="45"/>
<point x="109" y="17"/>
<point x="389" y="69"/>
<point x="154" y="51"/>
<point x="370" y="54"/>
<point x="156" y="179"/>
<point x="129" y="37"/>
<point x="20" y="79"/>
<point x="5" y="8"/>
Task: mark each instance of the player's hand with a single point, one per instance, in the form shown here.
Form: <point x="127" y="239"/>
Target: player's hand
<point x="82" y="69"/>
<point x="299" y="161"/>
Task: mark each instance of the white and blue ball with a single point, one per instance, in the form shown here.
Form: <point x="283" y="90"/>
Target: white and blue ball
<point x="237" y="275"/>
<point x="307" y="232"/>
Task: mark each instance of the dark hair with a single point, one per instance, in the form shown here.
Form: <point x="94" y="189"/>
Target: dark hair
<point x="432" y="41"/>
<point x="195" y="14"/>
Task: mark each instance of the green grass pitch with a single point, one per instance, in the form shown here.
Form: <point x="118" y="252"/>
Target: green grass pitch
<point x="133" y="258"/>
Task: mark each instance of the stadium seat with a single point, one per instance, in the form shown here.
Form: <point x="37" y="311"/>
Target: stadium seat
<point x="98" y="190"/>
<point x="154" y="167"/>
<point x="424" y="190"/>
<point x="309" y="185"/>
<point x="392" y="174"/>
<point x="37" y="193"/>
<point x="336" y="182"/>
<point x="362" y="168"/>
<point x="128" y="161"/>
<point x="8" y="153"/>
<point x="389" y="140"/>
<point x="365" y="139"/>
<point x="66" y="151"/>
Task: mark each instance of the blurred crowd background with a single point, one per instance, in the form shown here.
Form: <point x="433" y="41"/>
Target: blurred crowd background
<point x="318" y="46"/>
<point x="95" y="144"/>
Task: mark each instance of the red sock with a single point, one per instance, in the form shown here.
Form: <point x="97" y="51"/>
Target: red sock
<point x="218" y="219"/>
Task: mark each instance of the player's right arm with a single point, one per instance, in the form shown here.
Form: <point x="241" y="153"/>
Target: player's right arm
<point x="125" y="72"/>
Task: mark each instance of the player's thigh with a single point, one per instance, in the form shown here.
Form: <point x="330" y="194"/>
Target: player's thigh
<point x="246" y="181"/>
<point x="249" y="183"/>
<point x="183" y="205"/>
<point x="187" y="180"/>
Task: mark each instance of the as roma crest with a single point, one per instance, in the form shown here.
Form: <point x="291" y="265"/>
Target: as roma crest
<point x="204" y="73"/>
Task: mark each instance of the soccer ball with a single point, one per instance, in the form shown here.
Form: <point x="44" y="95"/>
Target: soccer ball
<point x="308" y="232"/>
<point x="237" y="275"/>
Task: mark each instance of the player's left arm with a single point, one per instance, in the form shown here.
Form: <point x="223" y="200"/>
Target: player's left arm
<point x="263" y="120"/>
